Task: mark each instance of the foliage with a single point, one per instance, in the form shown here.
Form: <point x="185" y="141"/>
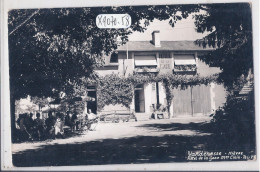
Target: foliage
<point x="24" y="107"/>
<point x="40" y="101"/>
<point x="169" y="94"/>
<point x="174" y="80"/>
<point x="72" y="100"/>
<point x="72" y="106"/>
<point x="112" y="89"/>
<point x="236" y="120"/>
<point x="159" y="108"/>
<point x="231" y="34"/>
<point x="146" y="69"/>
<point x="230" y="27"/>
<point x="185" y="67"/>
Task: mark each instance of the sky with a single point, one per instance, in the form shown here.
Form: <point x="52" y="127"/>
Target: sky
<point x="183" y="30"/>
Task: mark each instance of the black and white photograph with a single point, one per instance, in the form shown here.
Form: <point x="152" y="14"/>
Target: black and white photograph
<point x="138" y="84"/>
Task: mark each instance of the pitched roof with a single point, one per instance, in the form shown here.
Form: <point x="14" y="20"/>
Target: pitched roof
<point x="165" y="46"/>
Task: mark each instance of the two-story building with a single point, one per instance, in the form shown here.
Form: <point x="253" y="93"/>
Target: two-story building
<point x="156" y="56"/>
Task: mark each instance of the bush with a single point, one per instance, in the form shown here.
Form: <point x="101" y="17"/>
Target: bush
<point x="236" y="121"/>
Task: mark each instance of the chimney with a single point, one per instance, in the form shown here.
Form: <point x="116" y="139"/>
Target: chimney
<point x="156" y="38"/>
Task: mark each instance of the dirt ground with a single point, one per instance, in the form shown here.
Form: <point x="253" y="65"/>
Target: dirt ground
<point x="153" y="141"/>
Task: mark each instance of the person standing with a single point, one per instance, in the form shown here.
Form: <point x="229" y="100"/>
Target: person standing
<point x="75" y="120"/>
<point x="69" y="121"/>
<point x="91" y="119"/>
<point x="22" y="123"/>
<point x="39" y="127"/>
<point x="58" y="127"/>
<point x="29" y="124"/>
<point x="50" y="122"/>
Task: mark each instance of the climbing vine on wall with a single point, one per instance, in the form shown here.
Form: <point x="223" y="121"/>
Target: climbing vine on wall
<point x="114" y="89"/>
<point x="169" y="94"/>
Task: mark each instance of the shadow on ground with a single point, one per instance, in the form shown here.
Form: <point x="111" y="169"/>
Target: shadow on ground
<point x="139" y="149"/>
<point x="201" y="127"/>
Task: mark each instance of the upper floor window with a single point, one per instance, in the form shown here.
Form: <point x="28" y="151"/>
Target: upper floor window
<point x="114" y="57"/>
<point x="184" y="62"/>
<point x="145" y="61"/>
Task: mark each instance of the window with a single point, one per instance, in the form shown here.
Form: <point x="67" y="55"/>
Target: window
<point x="145" y="61"/>
<point x="184" y="62"/>
<point x="114" y="57"/>
<point x="184" y="59"/>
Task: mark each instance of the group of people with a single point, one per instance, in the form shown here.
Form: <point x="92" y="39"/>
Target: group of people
<point x="77" y="122"/>
<point x="53" y="126"/>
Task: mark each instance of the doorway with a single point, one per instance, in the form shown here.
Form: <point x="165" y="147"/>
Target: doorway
<point x="139" y="99"/>
<point x="192" y="101"/>
<point x="92" y="101"/>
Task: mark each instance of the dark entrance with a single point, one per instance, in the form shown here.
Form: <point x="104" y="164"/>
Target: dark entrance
<point x="92" y="102"/>
<point x="139" y="99"/>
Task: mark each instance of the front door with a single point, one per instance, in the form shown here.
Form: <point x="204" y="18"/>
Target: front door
<point x="139" y="99"/>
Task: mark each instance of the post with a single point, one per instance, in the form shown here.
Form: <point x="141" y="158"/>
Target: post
<point x="191" y="101"/>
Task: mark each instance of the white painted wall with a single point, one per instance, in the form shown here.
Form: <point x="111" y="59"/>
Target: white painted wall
<point x="162" y="94"/>
<point x="142" y="100"/>
<point x="148" y="97"/>
<point x="153" y="93"/>
<point x="126" y="63"/>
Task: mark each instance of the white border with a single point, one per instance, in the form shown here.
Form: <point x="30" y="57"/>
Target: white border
<point x="6" y="155"/>
<point x="6" y="164"/>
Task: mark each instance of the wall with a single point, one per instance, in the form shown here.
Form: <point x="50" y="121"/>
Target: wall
<point x="162" y="94"/>
<point x="220" y="95"/>
<point x="126" y="66"/>
<point x="204" y="70"/>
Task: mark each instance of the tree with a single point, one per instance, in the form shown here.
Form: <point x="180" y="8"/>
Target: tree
<point x="231" y="33"/>
<point x="40" y="101"/>
<point x="230" y="27"/>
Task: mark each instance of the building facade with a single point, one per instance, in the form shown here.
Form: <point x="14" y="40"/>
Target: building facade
<point x="162" y="57"/>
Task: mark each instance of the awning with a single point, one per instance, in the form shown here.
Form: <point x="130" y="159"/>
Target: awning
<point x="145" y="61"/>
<point x="184" y="59"/>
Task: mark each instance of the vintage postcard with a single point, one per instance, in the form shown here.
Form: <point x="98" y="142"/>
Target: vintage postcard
<point x="138" y="84"/>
